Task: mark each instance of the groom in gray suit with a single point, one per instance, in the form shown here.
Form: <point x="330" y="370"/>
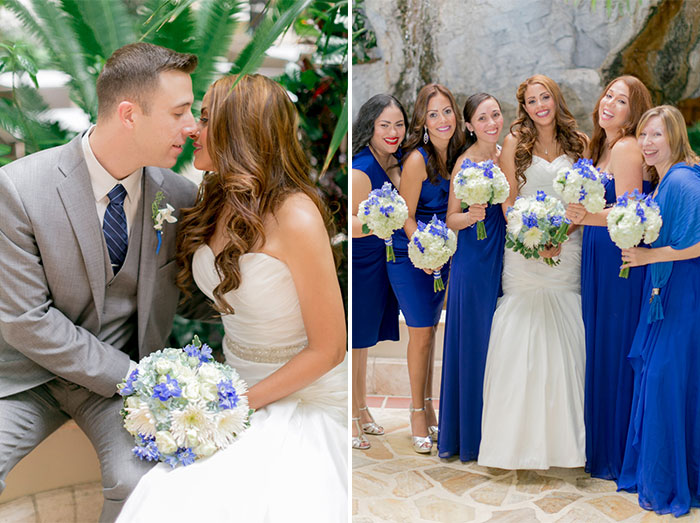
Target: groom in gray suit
<point x="86" y="286"/>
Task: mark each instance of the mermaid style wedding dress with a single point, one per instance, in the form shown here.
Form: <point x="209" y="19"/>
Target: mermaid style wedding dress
<point x="291" y="464"/>
<point x="535" y="366"/>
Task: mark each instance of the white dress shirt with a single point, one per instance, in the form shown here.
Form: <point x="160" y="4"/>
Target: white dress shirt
<point x="103" y="182"/>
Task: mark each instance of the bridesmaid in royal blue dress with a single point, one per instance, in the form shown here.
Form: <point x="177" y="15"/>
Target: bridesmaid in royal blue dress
<point x="436" y="137"/>
<point x="471" y="300"/>
<point x="662" y="455"/>
<point x="378" y="132"/>
<point x="610" y="327"/>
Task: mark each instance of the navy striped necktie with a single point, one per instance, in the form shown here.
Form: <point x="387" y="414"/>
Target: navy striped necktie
<point x="114" y="227"/>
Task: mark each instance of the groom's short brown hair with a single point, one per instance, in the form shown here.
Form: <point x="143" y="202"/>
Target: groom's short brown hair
<point x="131" y="73"/>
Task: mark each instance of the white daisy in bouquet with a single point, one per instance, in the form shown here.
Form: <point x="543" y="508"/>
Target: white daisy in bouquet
<point x="431" y="247"/>
<point x="582" y="184"/>
<point x="482" y="183"/>
<point x="635" y="217"/>
<point x="535" y="223"/>
<point x="382" y="213"/>
<point x="181" y="405"/>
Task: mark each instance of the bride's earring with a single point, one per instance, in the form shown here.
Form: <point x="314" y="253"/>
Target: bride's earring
<point x="426" y="138"/>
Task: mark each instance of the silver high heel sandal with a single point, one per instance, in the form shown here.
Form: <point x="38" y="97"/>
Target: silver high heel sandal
<point x="371" y="427"/>
<point x="421" y="444"/>
<point x="359" y="441"/>
<point x="432" y="429"/>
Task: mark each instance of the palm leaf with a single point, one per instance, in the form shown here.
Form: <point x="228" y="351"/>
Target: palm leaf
<point x="265" y="35"/>
<point x="339" y="133"/>
<point x="176" y="34"/>
<point x="216" y="23"/>
<point x="110" y="22"/>
<point x="86" y="36"/>
<point x="162" y="15"/>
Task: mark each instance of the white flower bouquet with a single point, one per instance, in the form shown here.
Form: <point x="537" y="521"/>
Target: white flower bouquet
<point x="582" y="184"/>
<point x="382" y="213"/>
<point x="634" y="218"/>
<point x="535" y="223"/>
<point x="430" y="248"/>
<point x="181" y="405"/>
<point x="483" y="183"/>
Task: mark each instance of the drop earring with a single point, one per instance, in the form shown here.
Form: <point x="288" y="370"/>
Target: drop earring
<point x="426" y="138"/>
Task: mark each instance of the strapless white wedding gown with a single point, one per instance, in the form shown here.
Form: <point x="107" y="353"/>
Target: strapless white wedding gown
<point x="291" y="464"/>
<point x="535" y="367"/>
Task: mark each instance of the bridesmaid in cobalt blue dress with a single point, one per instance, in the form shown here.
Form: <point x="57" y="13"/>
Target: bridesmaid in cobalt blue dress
<point x="471" y="300"/>
<point x="378" y="132"/>
<point x="610" y="327"/>
<point x="662" y="455"/>
<point x="435" y="138"/>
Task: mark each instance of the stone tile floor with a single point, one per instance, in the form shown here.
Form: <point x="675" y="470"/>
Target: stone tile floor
<point x="75" y="504"/>
<point x="390" y="482"/>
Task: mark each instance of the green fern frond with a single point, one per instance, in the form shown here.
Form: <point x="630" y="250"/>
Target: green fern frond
<point x="265" y="35"/>
<point x="176" y="34"/>
<point x="216" y="23"/>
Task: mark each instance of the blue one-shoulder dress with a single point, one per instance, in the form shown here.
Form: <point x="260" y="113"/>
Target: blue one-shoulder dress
<point x="475" y="283"/>
<point x="662" y="455"/>
<point x="611" y="307"/>
<point x="421" y="306"/>
<point x="375" y="310"/>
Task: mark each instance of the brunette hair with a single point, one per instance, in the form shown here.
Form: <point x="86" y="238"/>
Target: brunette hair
<point x="567" y="135"/>
<point x="639" y="103"/>
<point x="436" y="168"/>
<point x="470" y="107"/>
<point x="132" y="73"/>
<point x="252" y="141"/>
<point x="363" y="126"/>
<point x="677" y="136"/>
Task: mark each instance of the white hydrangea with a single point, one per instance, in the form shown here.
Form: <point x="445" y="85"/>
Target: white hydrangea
<point x="383" y="211"/>
<point x="582" y="184"/>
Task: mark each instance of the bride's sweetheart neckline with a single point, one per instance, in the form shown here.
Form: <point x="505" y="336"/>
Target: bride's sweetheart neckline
<point x="547" y="161"/>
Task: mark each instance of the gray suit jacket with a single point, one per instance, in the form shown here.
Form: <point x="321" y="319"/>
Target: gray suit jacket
<point x="52" y="273"/>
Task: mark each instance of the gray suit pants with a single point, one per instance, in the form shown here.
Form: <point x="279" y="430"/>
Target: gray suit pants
<point x="28" y="417"/>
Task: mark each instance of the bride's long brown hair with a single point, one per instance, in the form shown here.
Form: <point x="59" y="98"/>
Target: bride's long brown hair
<point x="252" y="141"/>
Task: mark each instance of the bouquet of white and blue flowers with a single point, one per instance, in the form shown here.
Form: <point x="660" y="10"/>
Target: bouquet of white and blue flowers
<point x="535" y="223"/>
<point x="430" y="248"/>
<point x="181" y="405"/>
<point x="483" y="183"/>
<point x="634" y="218"/>
<point x="582" y="184"/>
<point x="382" y="213"/>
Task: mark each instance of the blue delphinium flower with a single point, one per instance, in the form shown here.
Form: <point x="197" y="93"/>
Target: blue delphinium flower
<point x="421" y="226"/>
<point x="622" y="200"/>
<point x="640" y="212"/>
<point x="228" y="397"/>
<point x="556" y="220"/>
<point x="191" y="350"/>
<point x="437" y="228"/>
<point x="148" y="450"/>
<point x="205" y="353"/>
<point x="419" y="244"/>
<point x="582" y="194"/>
<point x="541" y="195"/>
<point x="488" y="168"/>
<point x="186" y="456"/>
<point x="128" y="387"/>
<point x="530" y="220"/>
<point x="167" y="390"/>
<point x="386" y="210"/>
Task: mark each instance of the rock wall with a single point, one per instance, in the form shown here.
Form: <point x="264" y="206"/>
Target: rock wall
<point x="493" y="45"/>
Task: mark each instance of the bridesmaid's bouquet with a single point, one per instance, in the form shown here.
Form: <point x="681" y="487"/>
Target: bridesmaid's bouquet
<point x="483" y="183"/>
<point x="431" y="247"/>
<point x="181" y="405"/>
<point x="535" y="223"/>
<point x="382" y="213"/>
<point x="633" y="218"/>
<point x="582" y="184"/>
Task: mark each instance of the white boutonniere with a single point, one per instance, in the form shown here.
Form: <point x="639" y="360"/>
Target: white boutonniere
<point x="160" y="216"/>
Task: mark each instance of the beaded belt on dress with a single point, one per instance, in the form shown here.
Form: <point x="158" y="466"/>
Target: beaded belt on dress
<point x="264" y="353"/>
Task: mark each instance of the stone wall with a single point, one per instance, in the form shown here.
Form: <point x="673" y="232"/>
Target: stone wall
<point x="493" y="45"/>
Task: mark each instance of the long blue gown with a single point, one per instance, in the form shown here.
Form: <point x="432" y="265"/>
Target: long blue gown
<point x="609" y="328"/>
<point x="421" y="306"/>
<point x="662" y="455"/>
<point x="375" y="311"/>
<point x="475" y="283"/>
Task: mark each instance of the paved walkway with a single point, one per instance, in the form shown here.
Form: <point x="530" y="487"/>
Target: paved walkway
<point x="76" y="504"/>
<point x="390" y="482"/>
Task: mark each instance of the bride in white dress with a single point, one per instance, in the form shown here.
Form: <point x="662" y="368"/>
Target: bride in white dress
<point x="257" y="244"/>
<point x="534" y="377"/>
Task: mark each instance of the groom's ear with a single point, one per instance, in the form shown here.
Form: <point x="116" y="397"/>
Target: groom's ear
<point x="127" y="112"/>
